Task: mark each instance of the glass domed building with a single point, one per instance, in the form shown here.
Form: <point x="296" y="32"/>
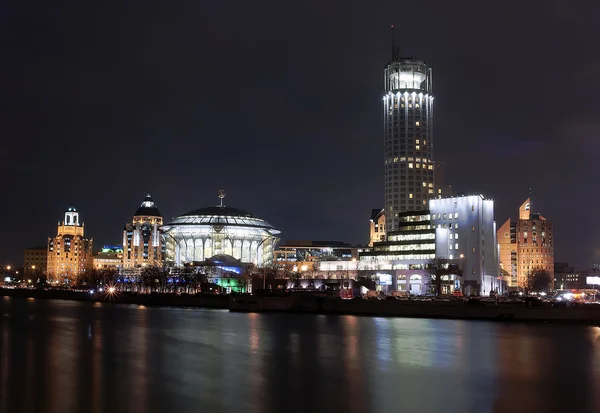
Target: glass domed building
<point x="204" y="233"/>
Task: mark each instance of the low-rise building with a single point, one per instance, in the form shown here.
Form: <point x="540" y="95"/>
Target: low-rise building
<point x="110" y="258"/>
<point x="35" y="261"/>
<point x="305" y="256"/>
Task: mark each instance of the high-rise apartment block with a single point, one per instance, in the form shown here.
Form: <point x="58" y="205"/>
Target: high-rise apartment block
<point x="408" y="137"/>
<point x="526" y="245"/>
<point x="69" y="253"/>
<point x="142" y="242"/>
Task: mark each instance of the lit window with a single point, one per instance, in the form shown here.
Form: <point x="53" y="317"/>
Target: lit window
<point x="439" y="191"/>
<point x="410" y="105"/>
<point x="417" y="123"/>
<point x="456" y="215"/>
<point x="445" y="216"/>
<point x="402" y="105"/>
<point x="410" y="196"/>
<point x="417" y="141"/>
<point x="456" y="246"/>
<point x="472" y="229"/>
<point x="416" y="105"/>
<point x="456" y="235"/>
<point x="424" y="184"/>
<point x="418" y="165"/>
<point x="410" y="165"/>
<point x="417" y="147"/>
<point x="473" y="249"/>
<point x="450" y="246"/>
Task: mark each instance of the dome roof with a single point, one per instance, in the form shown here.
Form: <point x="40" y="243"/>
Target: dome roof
<point x="222" y="215"/>
<point x="147" y="208"/>
<point x="221" y="211"/>
<point x="224" y="259"/>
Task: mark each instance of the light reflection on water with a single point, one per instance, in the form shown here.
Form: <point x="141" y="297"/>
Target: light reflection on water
<point x="59" y="356"/>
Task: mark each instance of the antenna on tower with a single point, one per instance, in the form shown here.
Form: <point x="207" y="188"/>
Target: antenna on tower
<point x="395" y="50"/>
<point x="221" y="195"/>
<point x="530" y="201"/>
<point x="393" y="43"/>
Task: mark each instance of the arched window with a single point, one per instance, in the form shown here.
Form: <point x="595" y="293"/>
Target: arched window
<point x="415" y="277"/>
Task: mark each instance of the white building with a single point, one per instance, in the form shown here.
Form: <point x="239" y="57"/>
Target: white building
<point x="457" y="234"/>
<point x="466" y="230"/>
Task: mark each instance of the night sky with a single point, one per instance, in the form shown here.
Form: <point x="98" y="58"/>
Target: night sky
<point x="280" y="105"/>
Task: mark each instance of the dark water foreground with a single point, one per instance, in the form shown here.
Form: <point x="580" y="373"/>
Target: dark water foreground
<point x="66" y="356"/>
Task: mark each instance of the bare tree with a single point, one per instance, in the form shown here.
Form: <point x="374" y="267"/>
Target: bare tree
<point x="538" y="280"/>
<point x="434" y="284"/>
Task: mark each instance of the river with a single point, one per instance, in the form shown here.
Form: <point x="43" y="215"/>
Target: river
<point x="61" y="356"/>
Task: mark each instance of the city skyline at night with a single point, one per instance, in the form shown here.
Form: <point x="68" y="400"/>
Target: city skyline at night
<point x="297" y="138"/>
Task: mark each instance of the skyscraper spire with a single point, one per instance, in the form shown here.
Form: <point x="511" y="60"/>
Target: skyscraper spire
<point x="393" y="43"/>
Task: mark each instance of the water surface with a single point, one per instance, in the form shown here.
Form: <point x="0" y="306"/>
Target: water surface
<point x="61" y="356"/>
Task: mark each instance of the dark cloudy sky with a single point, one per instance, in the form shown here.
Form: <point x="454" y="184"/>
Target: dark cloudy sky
<point x="280" y="105"/>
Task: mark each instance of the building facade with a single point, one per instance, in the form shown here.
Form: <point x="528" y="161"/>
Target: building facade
<point x="110" y="258"/>
<point x="471" y="238"/>
<point x="531" y="245"/>
<point x="69" y="252"/>
<point x="457" y="234"/>
<point x="377" y="226"/>
<point x="35" y="261"/>
<point x="507" y="252"/>
<point x="142" y="241"/>
<point x="203" y="233"/>
<point x="408" y="138"/>
<point x="304" y="256"/>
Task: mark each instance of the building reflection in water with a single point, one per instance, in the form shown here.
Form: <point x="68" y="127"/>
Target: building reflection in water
<point x="74" y="357"/>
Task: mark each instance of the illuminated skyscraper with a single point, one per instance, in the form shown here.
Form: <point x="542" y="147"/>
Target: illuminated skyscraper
<point x="408" y="129"/>
<point x="142" y="243"/>
<point x="69" y="253"/>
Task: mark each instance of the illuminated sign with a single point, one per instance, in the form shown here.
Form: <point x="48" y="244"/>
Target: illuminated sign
<point x="592" y="280"/>
<point x="385" y="279"/>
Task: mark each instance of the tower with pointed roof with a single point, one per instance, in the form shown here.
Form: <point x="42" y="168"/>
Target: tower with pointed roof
<point x="69" y="252"/>
<point x="142" y="243"/>
<point x="526" y="245"/>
